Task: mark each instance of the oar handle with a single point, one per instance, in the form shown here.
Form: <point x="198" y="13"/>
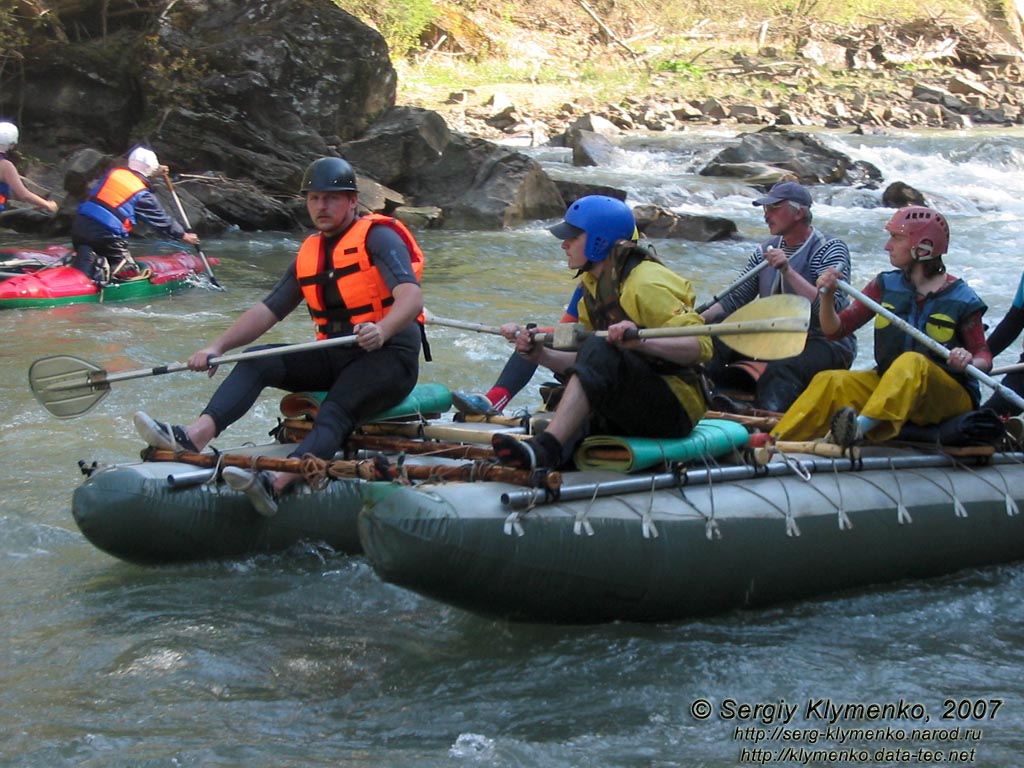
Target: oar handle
<point x="463" y="325"/>
<point x="928" y="341"/>
<point x="731" y="287"/>
<point x="999" y="371"/>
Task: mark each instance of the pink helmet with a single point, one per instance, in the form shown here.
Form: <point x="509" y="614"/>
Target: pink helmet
<point x="928" y="231"/>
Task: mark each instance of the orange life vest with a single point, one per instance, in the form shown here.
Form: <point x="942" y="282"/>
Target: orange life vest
<point x="365" y="297"/>
<point x="112" y="200"/>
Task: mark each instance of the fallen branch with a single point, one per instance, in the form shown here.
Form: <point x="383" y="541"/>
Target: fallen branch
<point x="318" y="473"/>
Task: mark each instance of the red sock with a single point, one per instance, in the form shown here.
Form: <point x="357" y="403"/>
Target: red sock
<point x="499" y="397"/>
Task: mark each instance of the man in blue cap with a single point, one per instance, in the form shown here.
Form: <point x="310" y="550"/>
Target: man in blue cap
<point x="788" y="262"/>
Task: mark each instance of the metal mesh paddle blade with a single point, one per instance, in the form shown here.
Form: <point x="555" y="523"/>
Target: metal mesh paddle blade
<point x="64" y="385"/>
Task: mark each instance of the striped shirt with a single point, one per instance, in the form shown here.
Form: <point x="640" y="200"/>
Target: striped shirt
<point x="832" y="254"/>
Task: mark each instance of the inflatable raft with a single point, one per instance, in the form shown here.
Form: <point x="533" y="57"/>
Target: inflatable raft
<point x="175" y="508"/>
<point x="668" y="546"/>
<point x="38" y="279"/>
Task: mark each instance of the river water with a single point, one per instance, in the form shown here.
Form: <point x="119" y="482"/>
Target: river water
<point x="307" y="659"/>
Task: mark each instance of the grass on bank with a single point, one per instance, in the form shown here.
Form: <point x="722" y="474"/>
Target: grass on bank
<point x="551" y="50"/>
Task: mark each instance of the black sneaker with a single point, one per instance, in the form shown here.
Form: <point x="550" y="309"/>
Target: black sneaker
<point x="527" y="454"/>
<point x="159" y="435"/>
<point x="256" y="485"/>
<point x="518" y="454"/>
<point x="845" y="431"/>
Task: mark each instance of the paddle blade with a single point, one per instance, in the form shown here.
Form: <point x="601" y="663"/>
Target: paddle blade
<point x="771" y="308"/>
<point x="769" y="345"/>
<point x="64" y="385"/>
<point x="778" y="327"/>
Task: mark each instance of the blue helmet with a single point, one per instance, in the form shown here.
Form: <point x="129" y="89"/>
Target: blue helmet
<point x="604" y="219"/>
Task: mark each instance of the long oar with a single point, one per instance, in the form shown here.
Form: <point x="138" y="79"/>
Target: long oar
<point x="69" y="386"/>
<point x="771" y="328"/>
<point x="931" y="343"/>
<point x="184" y="218"/>
<point x="731" y="287"/>
<point x="1000" y="370"/>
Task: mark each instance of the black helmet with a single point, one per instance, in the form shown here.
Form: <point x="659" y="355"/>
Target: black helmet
<point x="328" y="174"/>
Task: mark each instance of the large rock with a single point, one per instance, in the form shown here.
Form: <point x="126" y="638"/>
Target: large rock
<point x="481" y="185"/>
<point x="657" y="222"/>
<point x="281" y="83"/>
<point x="798" y="153"/>
<point x="402" y="142"/>
<point x="249" y="89"/>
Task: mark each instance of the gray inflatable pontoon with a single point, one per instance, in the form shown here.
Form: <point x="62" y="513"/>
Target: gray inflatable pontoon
<point x="161" y="512"/>
<point x="653" y="548"/>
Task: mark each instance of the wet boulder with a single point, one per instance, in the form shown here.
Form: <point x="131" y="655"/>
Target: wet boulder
<point x="801" y="154"/>
<point x="656" y="222"/>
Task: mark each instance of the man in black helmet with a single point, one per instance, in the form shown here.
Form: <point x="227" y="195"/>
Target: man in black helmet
<point x="359" y="275"/>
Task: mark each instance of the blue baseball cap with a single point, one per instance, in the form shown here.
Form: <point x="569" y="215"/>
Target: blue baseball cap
<point x="786" y="190"/>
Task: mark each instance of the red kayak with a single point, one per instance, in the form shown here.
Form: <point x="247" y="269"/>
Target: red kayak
<point x="37" y="278"/>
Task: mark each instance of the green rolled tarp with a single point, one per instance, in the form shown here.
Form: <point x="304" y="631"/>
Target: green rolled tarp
<point x="426" y="398"/>
<point x="710" y="438"/>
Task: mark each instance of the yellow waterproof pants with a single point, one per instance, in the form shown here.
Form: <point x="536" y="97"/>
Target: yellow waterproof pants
<point x="914" y="389"/>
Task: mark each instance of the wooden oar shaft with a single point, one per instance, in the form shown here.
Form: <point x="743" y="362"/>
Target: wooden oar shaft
<point x="770" y="325"/>
<point x="184" y="218"/>
<point x="404" y="445"/>
<point x="1000" y="370"/>
<point x="463" y="325"/>
<point x="366" y="469"/>
<point x="774" y="325"/>
<point x="928" y="341"/>
<point x="815" y="448"/>
<point x="731" y="287"/>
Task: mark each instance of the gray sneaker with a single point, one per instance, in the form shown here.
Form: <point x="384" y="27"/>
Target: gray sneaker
<point x="255" y="485"/>
<point x="473" y="405"/>
<point x="164" y="436"/>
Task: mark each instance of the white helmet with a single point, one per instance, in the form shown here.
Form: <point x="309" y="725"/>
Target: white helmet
<point x="143" y="161"/>
<point x="8" y="135"/>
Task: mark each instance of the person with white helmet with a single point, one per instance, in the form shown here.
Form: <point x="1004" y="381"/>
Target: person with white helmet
<point x="910" y="383"/>
<point x="11" y="185"/>
<point x="103" y="222"/>
<point x="618" y="383"/>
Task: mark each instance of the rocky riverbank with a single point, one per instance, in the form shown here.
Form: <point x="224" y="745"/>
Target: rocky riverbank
<point x="238" y="116"/>
<point x="927" y="73"/>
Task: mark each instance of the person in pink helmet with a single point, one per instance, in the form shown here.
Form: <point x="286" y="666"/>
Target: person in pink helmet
<point x="910" y="383"/>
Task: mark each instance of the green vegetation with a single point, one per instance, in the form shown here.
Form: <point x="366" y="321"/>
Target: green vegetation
<point x="549" y="50"/>
<point x="400" y="22"/>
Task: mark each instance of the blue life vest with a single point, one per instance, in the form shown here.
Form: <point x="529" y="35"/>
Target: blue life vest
<point x="940" y="316"/>
<point x="5" y="188"/>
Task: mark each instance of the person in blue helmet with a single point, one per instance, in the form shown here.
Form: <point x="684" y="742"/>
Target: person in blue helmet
<point x="797" y="254"/>
<point x="617" y="383"/>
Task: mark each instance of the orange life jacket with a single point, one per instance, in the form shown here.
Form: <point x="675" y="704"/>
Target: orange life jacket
<point x="365" y="297"/>
<point x="112" y="201"/>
